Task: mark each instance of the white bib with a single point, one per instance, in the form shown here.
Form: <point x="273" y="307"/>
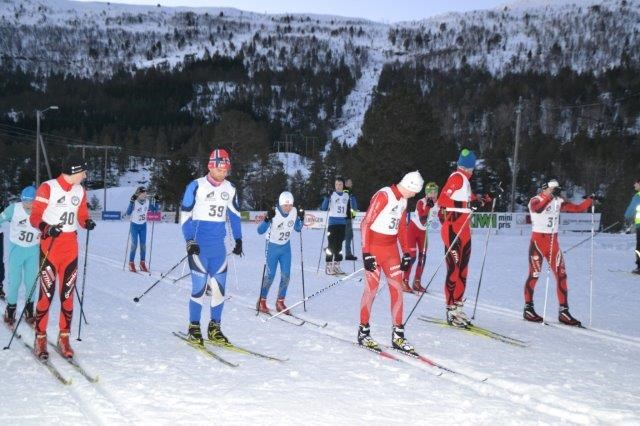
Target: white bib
<point x="139" y="212"/>
<point x="432" y="213"/>
<point x="212" y="202"/>
<point x="547" y="222"/>
<point x="21" y="232"/>
<point x="338" y="204"/>
<point x="63" y="206"/>
<point x="463" y="194"/>
<point x="282" y="227"/>
<point x="388" y="220"/>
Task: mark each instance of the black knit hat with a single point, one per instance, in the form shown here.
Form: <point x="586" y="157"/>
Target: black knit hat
<point x="73" y="164"/>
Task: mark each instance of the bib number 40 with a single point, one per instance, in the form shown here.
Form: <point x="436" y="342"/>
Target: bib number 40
<point x="68" y="218"/>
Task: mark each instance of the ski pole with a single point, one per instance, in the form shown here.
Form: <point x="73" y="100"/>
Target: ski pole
<point x="335" y="283"/>
<point x="264" y="266"/>
<point x="82" y="314"/>
<point x="550" y="262"/>
<point x="126" y="248"/>
<point x="453" y="243"/>
<point x="589" y="237"/>
<point x="33" y="289"/>
<point x="84" y="280"/>
<point x="484" y="258"/>
<point x="153" y="224"/>
<point x="304" y="304"/>
<point x="181" y="277"/>
<point x="326" y="225"/>
<point x="593" y="229"/>
<point x="163" y="276"/>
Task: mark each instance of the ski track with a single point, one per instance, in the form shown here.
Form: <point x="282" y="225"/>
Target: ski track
<point x="146" y="374"/>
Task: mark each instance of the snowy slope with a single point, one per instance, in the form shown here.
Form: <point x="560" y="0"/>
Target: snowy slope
<point x="148" y="376"/>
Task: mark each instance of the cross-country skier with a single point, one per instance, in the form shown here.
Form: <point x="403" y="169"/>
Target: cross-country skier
<point x="336" y="203"/>
<point x="382" y="229"/>
<point x="417" y="236"/>
<point x="352" y="208"/>
<point x="24" y="240"/>
<point x="633" y="213"/>
<point x="281" y="222"/>
<point x="457" y="201"/>
<point x="60" y="206"/>
<point x="545" y="211"/>
<point x="206" y="205"/>
<point x="139" y="205"/>
<point x="2" y="294"/>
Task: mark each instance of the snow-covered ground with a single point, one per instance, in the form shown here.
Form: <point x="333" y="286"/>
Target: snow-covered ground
<point x="147" y="376"/>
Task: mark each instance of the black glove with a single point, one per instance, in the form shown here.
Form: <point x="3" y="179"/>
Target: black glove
<point x="301" y="214"/>
<point x="238" y="248"/>
<point x="156" y="198"/>
<point x="405" y="262"/>
<point x="51" y="230"/>
<point x="89" y="225"/>
<point x="556" y="191"/>
<point x="192" y="248"/>
<point x="476" y="204"/>
<point x="430" y="202"/>
<point x="271" y="213"/>
<point x="370" y="263"/>
<point x="134" y="197"/>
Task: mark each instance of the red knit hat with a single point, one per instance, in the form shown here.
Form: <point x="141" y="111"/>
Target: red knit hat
<point x="219" y="158"/>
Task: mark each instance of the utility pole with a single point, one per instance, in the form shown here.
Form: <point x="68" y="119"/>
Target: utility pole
<point x="106" y="157"/>
<point x="40" y="143"/>
<point x="515" y="156"/>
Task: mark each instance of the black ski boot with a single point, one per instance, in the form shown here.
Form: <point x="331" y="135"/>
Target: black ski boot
<point x="365" y="339"/>
<point x="10" y="315"/>
<point x="530" y="314"/>
<point x="214" y="334"/>
<point x="194" y="335"/>
<point x="28" y="314"/>
<point x="565" y="317"/>
<point x="399" y="342"/>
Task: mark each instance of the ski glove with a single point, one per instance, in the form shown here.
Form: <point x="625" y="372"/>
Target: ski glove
<point x="556" y="191"/>
<point x="238" y="248"/>
<point x="405" y="262"/>
<point x="192" y="248"/>
<point x="301" y="214"/>
<point x="271" y="213"/>
<point x="51" y="230"/>
<point x="370" y="263"/>
<point x="430" y="202"/>
<point x="89" y="225"/>
<point x="476" y="204"/>
<point x="134" y="197"/>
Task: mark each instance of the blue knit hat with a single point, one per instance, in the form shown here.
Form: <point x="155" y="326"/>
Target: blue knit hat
<point x="28" y="194"/>
<point x="467" y="159"/>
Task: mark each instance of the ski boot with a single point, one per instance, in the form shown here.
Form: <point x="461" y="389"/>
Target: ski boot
<point x="29" y="317"/>
<point x="10" y="315"/>
<point x="337" y="270"/>
<point x="132" y="267"/>
<point x="365" y="339"/>
<point x="417" y="286"/>
<point x="330" y="269"/>
<point x="280" y="306"/>
<point x="143" y="266"/>
<point x="456" y="316"/>
<point x="404" y="285"/>
<point x="214" y="334"/>
<point x="565" y="317"/>
<point x="63" y="344"/>
<point x="40" y="347"/>
<point x="261" y="306"/>
<point x="350" y="257"/>
<point x="530" y="314"/>
<point x="194" y="335"/>
<point x="399" y="342"/>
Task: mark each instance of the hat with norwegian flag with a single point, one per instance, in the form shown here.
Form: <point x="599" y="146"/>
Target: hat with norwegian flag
<point x="219" y="158"/>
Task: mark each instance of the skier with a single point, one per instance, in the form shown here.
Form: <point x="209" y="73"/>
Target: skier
<point x="352" y="208"/>
<point x="139" y="205"/>
<point x="418" y="238"/>
<point x="2" y="294"/>
<point x="633" y="213"/>
<point x="381" y="232"/>
<point x="206" y="204"/>
<point x="280" y="222"/>
<point x="545" y="211"/>
<point x="60" y="205"/>
<point x="23" y="255"/>
<point x="456" y="202"/>
<point x="336" y="204"/>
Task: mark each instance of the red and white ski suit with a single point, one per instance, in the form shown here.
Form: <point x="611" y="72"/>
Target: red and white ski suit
<point x="417" y="238"/>
<point x="382" y="227"/>
<point x="58" y="202"/>
<point x="545" y="213"/>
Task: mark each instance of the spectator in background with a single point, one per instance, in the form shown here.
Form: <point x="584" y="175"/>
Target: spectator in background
<point x="352" y="208"/>
<point x="633" y="213"/>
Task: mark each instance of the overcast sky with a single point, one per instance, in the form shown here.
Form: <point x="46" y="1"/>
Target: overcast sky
<point x="377" y="10"/>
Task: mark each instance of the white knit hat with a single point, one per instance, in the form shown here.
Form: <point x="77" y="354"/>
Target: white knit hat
<point x="285" y="198"/>
<point x="412" y="181"/>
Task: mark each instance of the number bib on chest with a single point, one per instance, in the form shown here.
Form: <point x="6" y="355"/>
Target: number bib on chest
<point x="547" y="221"/>
<point x="21" y="232"/>
<point x="139" y="213"/>
<point x="388" y="219"/>
<point x="282" y="227"/>
<point x="63" y="206"/>
<point x="338" y="205"/>
<point x="212" y="201"/>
